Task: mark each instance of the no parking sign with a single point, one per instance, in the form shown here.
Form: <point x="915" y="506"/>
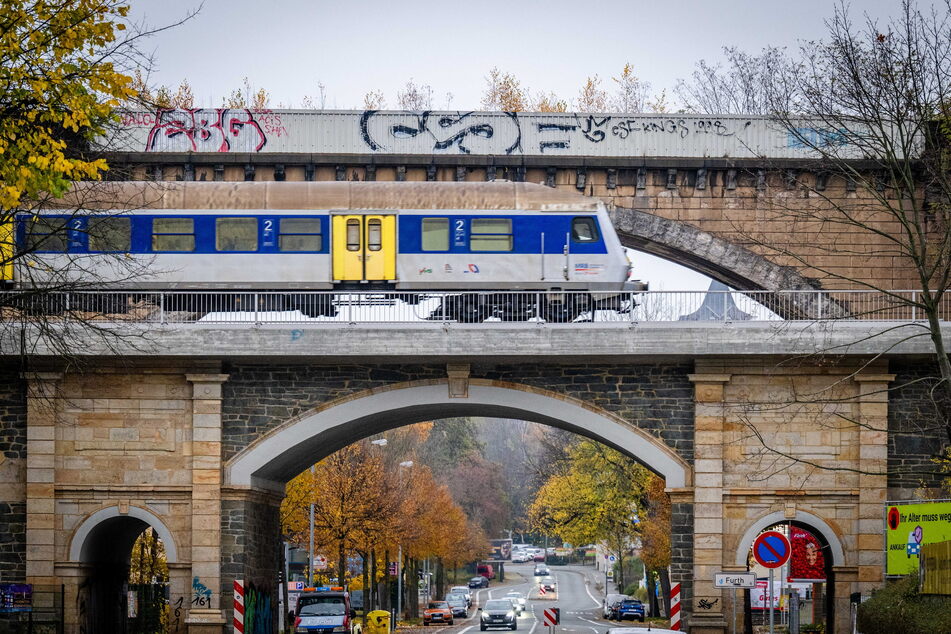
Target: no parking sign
<point x="771" y="549"/>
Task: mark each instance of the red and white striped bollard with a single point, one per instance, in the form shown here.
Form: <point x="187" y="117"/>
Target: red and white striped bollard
<point x="239" y="606"/>
<point x="675" y="607"/>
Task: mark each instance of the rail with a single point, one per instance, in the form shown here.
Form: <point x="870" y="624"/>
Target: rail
<point x="317" y="307"/>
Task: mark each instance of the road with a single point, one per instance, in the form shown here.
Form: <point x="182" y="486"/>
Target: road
<point x="579" y="602"/>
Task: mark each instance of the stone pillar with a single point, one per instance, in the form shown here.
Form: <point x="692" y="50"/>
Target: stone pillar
<point x="206" y="503"/>
<point x="251" y="548"/>
<point x="42" y="406"/>
<point x="707" y="604"/>
<point x="873" y="458"/>
<point x="845" y="580"/>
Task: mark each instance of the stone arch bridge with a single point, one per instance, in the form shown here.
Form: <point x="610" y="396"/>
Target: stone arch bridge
<point x="197" y="438"/>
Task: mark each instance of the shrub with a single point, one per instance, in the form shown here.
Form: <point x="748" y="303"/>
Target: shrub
<point x="898" y="608"/>
<point x="631" y="589"/>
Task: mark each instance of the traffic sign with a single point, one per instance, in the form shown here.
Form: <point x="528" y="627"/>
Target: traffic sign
<point x="541" y="590"/>
<point x="612" y="558"/>
<point x="551" y="617"/>
<point x="771" y="549"/>
<point x="734" y="580"/>
<point x="320" y="562"/>
<point x="894" y="518"/>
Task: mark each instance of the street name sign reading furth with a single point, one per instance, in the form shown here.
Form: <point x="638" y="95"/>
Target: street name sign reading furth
<point x="734" y="580"/>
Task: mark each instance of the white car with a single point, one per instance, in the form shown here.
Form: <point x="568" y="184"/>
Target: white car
<point x="515" y="605"/>
<point x="463" y="590"/>
<point x="518" y="596"/>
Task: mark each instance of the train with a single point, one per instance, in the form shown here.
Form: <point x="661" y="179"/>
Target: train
<point x="462" y="239"/>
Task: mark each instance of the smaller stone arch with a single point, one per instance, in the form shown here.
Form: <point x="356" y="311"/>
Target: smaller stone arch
<point x="830" y="536"/>
<point x="79" y="545"/>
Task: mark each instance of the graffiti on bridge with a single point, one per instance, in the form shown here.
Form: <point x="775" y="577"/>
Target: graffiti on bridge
<point x="427" y="131"/>
<point x="257" y="610"/>
<point x="201" y="594"/>
<point x="206" y="129"/>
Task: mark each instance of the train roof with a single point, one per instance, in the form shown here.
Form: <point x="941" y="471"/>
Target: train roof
<point x="323" y="195"/>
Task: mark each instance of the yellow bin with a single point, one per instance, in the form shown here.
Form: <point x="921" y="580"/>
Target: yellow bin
<point x="378" y="622"/>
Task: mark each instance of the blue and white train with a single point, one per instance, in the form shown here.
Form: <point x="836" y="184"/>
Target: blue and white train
<point x="374" y="237"/>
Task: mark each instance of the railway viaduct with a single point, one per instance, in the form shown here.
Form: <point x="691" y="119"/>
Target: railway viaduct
<point x="193" y="430"/>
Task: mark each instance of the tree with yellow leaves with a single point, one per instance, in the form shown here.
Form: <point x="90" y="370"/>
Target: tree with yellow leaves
<point x="58" y="82"/>
<point x="595" y="497"/>
<point x="65" y="69"/>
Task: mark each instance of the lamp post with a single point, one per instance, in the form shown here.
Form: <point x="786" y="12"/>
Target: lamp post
<point x="399" y="556"/>
<point x="310" y="559"/>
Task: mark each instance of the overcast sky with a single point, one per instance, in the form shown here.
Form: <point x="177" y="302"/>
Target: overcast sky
<point x="288" y="46"/>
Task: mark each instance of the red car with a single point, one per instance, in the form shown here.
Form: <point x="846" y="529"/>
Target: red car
<point x="437" y="612"/>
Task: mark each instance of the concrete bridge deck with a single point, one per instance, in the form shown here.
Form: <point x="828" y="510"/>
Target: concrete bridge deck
<point x="496" y="341"/>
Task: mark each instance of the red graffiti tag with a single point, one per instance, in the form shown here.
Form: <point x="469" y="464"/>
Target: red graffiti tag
<point x="205" y="130"/>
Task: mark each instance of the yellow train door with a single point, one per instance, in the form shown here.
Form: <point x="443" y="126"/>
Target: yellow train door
<point x="364" y="248"/>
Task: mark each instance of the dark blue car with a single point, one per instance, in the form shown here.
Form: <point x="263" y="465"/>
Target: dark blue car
<point x="630" y="609"/>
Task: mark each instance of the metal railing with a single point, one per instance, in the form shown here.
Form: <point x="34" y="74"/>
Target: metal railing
<point x="316" y="307"/>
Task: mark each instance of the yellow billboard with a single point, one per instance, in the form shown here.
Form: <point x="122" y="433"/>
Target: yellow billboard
<point x="908" y="527"/>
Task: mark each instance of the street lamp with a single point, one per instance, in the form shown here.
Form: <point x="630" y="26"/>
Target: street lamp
<point x="399" y="556"/>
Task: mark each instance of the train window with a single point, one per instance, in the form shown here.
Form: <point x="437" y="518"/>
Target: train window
<point x="300" y="234"/>
<point x="110" y="234"/>
<point x="353" y="235"/>
<point x="584" y="230"/>
<point x="236" y="234"/>
<point x="435" y="234"/>
<point x="173" y="234"/>
<point x="374" y="234"/>
<point x="491" y="234"/>
<point x="46" y="233"/>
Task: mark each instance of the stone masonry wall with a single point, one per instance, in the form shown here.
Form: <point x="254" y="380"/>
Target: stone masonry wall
<point x="251" y="550"/>
<point x="915" y="432"/>
<point x="12" y="477"/>
<point x="681" y="552"/>
<point x="657" y="398"/>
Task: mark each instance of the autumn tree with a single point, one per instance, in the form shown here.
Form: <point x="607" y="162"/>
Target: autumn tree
<point x="549" y="102"/>
<point x="374" y="100"/>
<point x="630" y="91"/>
<point x="503" y="91"/>
<point x="596" y="497"/>
<point x="655" y="540"/>
<point x="592" y="97"/>
<point x="65" y="68"/>
<point x="415" y="97"/>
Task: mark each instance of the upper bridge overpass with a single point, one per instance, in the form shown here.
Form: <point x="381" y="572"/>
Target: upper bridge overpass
<point x="729" y="196"/>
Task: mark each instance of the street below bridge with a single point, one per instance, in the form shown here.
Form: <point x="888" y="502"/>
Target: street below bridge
<point x="579" y="596"/>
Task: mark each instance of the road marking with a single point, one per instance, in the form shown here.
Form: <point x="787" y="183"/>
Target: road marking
<point x="590" y="621"/>
<point x="465" y="629"/>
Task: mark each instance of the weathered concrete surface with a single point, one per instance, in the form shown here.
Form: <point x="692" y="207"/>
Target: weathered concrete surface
<point x="500" y="341"/>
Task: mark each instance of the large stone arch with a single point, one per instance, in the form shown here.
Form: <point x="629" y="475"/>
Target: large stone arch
<point x="277" y="456"/>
